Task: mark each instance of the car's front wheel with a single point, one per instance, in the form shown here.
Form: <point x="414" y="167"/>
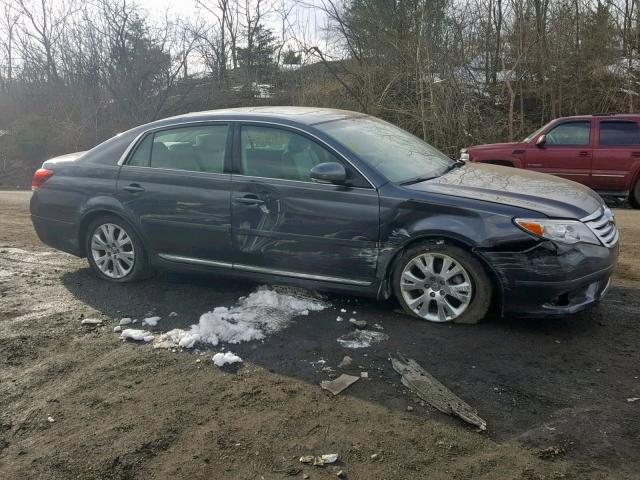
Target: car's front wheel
<point x="114" y="250"/>
<point x="439" y="282"/>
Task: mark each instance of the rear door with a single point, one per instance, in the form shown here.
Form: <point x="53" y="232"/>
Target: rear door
<point x="567" y="152"/>
<point x="176" y="185"/>
<point x="285" y="224"/>
<point x="615" y="154"/>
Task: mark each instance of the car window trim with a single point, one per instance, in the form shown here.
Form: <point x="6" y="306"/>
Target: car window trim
<point x="124" y="158"/>
<point x="584" y="145"/>
<point x="617" y="120"/>
<point x="237" y="168"/>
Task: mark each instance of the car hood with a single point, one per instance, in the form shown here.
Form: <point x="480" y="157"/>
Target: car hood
<point x="491" y="146"/>
<point x="546" y="194"/>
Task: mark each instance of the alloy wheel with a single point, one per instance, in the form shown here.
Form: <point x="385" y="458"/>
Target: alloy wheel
<point x="112" y="250"/>
<point x="436" y="287"/>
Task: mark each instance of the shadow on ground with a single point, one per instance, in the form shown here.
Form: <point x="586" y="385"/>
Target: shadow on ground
<point x="541" y="383"/>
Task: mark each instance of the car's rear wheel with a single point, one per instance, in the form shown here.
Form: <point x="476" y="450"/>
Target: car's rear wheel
<point x="439" y="282"/>
<point x="634" y="198"/>
<point x="114" y="250"/>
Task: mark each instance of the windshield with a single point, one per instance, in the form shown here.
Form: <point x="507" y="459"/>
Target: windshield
<point x="395" y="153"/>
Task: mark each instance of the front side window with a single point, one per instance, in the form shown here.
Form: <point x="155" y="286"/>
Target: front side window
<point x="194" y="149"/>
<point x="568" y="134"/>
<point x="275" y="153"/>
<point x="615" y="133"/>
<point x="395" y="153"/>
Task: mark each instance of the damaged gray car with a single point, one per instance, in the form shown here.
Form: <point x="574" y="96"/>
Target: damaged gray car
<point x="329" y="200"/>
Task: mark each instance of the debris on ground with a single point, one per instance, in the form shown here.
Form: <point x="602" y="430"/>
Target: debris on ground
<point x="173" y="314"/>
<point x="339" y="384"/>
<point x="50" y="419"/>
<point x="361" y="338"/>
<point x="364" y="374"/>
<point x="358" y="323"/>
<point x="125" y="321"/>
<point x="409" y="408"/>
<point x="423" y="384"/>
<point x="341" y="474"/>
<point x="374" y="456"/>
<point x="346" y="361"/>
<point x="151" y="321"/>
<point x="339" y="318"/>
<point x="633" y="399"/>
<point x="136" y="334"/>
<point x="117" y="328"/>
<point x="319" y="460"/>
<point x="222" y="359"/>
<point x="551" y="452"/>
<point x="91" y="321"/>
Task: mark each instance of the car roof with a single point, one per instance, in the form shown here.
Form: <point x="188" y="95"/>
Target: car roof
<point x="304" y="115"/>
<point x="605" y="116"/>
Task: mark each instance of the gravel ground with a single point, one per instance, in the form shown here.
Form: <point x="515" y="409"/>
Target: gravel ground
<point x="554" y="393"/>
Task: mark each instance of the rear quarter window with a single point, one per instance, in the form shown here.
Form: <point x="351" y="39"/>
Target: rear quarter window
<point x="619" y="133"/>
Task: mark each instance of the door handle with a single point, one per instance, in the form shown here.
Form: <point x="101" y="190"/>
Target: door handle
<point x="248" y="200"/>
<point x="583" y="154"/>
<point x="133" y="188"/>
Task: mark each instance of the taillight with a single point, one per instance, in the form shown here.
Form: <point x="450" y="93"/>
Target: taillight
<point x="41" y="176"/>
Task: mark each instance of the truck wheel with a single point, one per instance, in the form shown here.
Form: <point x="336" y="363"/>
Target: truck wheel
<point x="114" y="250"/>
<point x="439" y="282"/>
<point x="634" y="197"/>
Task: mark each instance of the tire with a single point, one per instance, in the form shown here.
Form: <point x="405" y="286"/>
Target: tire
<point x="124" y="257"/>
<point x="464" y="269"/>
<point x="634" y="197"/>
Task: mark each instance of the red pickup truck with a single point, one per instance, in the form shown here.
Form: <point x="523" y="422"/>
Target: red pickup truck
<point x="600" y="151"/>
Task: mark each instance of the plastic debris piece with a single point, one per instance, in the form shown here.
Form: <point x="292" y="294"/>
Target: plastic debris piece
<point x="339" y="384"/>
<point x="429" y="389"/>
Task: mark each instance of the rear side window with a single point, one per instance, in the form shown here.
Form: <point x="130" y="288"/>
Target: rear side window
<point x="569" y="133"/>
<point x="194" y="149"/>
<point x="614" y="133"/>
<point x="142" y="155"/>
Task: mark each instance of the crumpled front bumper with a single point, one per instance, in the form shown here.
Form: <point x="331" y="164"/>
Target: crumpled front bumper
<point x="552" y="279"/>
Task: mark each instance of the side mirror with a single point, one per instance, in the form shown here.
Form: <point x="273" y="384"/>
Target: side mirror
<point x="542" y="139"/>
<point x="328" y="172"/>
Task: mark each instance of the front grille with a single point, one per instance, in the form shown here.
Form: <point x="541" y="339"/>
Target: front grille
<point x="602" y="223"/>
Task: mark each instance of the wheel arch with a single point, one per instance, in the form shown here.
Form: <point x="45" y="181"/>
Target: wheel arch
<point x="93" y="214"/>
<point x="465" y="244"/>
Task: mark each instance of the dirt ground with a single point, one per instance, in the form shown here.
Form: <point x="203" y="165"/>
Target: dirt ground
<point x="554" y="393"/>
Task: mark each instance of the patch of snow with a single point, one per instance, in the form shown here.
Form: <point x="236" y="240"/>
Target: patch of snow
<point x="125" y="321"/>
<point x="136" y="334"/>
<point x="91" y="321"/>
<point x="221" y="359"/>
<point x="173" y="314"/>
<point x="339" y="318"/>
<point x="151" y="321"/>
<point x="263" y="312"/>
<point x="343" y="310"/>
<point x="117" y="328"/>
<point x="362" y="338"/>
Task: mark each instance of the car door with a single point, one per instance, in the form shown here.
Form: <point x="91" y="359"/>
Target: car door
<point x="615" y="154"/>
<point x="284" y="223"/>
<point x="176" y="185"/>
<point x="566" y="151"/>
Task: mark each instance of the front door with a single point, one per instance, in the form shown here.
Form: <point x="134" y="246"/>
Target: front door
<point x="283" y="223"/>
<point x="176" y="188"/>
<point x="566" y="152"/>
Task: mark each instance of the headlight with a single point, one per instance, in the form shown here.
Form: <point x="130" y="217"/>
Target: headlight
<point x="564" y="231"/>
<point x="464" y="155"/>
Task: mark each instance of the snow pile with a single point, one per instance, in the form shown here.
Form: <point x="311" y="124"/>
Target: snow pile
<point x="221" y="359"/>
<point x="125" y="321"/>
<point x="362" y="338"/>
<point x="91" y="321"/>
<point x="151" y="321"/>
<point x="263" y="312"/>
<point x="136" y="334"/>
